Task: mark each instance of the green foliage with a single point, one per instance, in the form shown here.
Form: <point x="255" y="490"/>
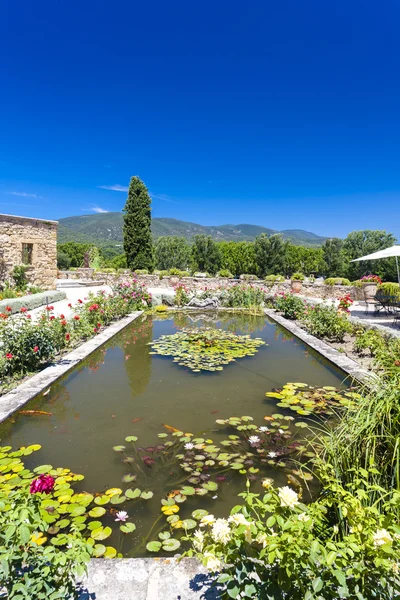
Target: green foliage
<point x="172" y="252"/>
<point x="205" y="349"/>
<point x="307" y="400"/>
<point x="74" y="251"/>
<point x="389" y="289"/>
<point x="244" y="296"/>
<point x="305" y="260"/>
<point x="141" y="272"/>
<point x="181" y="295"/>
<point x="275" y="547"/>
<point x="138" y="241"/>
<point x="384" y="348"/>
<point x="274" y="279"/>
<point x="291" y="306"/>
<point x="63" y="260"/>
<point x="336" y="281"/>
<point x="34" y="297"/>
<point x="178" y="272"/>
<point x="206" y="256"/>
<point x="238" y="257"/>
<point x="19" y="277"/>
<point x="334" y="258"/>
<point x="270" y="254"/>
<point x="119" y="262"/>
<point x="225" y="274"/>
<point x="42" y="546"/>
<point x="248" y="277"/>
<point x="297" y="277"/>
<point x="361" y="243"/>
<point x="325" y="321"/>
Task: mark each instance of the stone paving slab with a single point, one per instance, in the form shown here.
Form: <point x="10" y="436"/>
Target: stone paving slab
<point x="147" y="579"/>
<point x="38" y="383"/>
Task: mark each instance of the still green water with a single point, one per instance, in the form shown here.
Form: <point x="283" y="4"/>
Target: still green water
<point x="123" y="390"/>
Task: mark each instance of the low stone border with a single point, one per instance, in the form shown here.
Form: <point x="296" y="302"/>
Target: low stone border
<point x="32" y="301"/>
<point x="346" y="364"/>
<point x="38" y="383"/>
<point x="147" y="579"/>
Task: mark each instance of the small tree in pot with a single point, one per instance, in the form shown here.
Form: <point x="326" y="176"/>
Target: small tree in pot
<point x="297" y="282"/>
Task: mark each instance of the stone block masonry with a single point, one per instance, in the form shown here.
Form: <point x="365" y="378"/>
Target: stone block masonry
<point x="30" y="242"/>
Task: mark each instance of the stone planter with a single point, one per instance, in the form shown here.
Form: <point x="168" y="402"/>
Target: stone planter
<point x="297" y="286"/>
<point x="369" y="290"/>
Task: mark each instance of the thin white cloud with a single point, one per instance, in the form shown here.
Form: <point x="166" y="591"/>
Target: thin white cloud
<point x="98" y="209"/>
<point x="163" y="197"/>
<point x="25" y="195"/>
<point x="114" y="188"/>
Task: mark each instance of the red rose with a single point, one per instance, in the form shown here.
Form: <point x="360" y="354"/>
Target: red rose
<point x="64" y="323"/>
<point x="76" y="317"/>
<point x="62" y="317"/>
<point x="52" y="318"/>
<point x="9" y="356"/>
<point x="23" y="309"/>
<point x="28" y="316"/>
<point x="70" y="305"/>
<point x="8" y="308"/>
<point x="67" y="337"/>
<point x="36" y="349"/>
<point x="43" y="484"/>
<point x="80" y="301"/>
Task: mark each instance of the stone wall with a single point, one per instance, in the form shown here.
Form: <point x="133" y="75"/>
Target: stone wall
<point x="40" y="240"/>
<point x="310" y="290"/>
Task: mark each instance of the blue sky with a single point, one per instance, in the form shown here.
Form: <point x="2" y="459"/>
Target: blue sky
<point x="283" y="114"/>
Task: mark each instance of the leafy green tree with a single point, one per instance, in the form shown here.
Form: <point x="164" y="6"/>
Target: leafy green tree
<point x="63" y="261"/>
<point x="172" y="252"/>
<point x="76" y="252"/>
<point x="334" y="257"/>
<point x="360" y="243"/>
<point x="270" y="254"/>
<point x="206" y="256"/>
<point x="238" y="257"/>
<point x="138" y="241"/>
<point x="119" y="262"/>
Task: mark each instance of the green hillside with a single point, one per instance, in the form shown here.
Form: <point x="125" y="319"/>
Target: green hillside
<point x="106" y="228"/>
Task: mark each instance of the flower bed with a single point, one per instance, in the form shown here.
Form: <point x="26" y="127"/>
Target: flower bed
<point x="27" y="345"/>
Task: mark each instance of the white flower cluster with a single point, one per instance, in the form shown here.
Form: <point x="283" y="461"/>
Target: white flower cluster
<point x="381" y="537"/>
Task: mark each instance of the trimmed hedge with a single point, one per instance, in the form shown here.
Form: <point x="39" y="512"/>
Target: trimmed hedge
<point x="32" y="301"/>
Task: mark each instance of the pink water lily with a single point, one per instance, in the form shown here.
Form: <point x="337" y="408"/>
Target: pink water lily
<point x="122" y="516"/>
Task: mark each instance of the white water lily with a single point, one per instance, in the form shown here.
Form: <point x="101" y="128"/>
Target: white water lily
<point x="263" y="429"/>
<point x="221" y="532"/>
<point x="288" y="497"/>
<point x="212" y="562"/>
<point x="272" y="454"/>
<point x="189" y="446"/>
<point x="254" y="439"/>
<point x="381" y="537"/>
<point x="198" y="540"/>
<point x="207" y="520"/>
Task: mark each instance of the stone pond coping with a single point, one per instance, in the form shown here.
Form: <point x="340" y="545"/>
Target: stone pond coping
<point x="346" y="364"/>
<point x="147" y="579"/>
<point x="26" y="391"/>
<point x="31" y="301"/>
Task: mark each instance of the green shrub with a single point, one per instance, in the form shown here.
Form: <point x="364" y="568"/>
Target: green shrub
<point x="274" y="279"/>
<point x="326" y="321"/>
<point x="178" y="273"/>
<point x="248" y="277"/>
<point x="141" y="272"/>
<point x="388" y="289"/>
<point x="19" y="276"/>
<point x="297" y="277"/>
<point x="291" y="306"/>
<point x="337" y="281"/>
<point x="181" y="295"/>
<point x="32" y="301"/>
<point x="162" y="274"/>
<point x="242" y="296"/>
<point x="225" y="273"/>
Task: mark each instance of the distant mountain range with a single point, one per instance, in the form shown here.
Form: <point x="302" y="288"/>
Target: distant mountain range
<point x="106" y="229"/>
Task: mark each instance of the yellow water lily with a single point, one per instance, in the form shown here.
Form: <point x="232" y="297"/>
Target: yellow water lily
<point x="38" y="538"/>
<point x="170" y="510"/>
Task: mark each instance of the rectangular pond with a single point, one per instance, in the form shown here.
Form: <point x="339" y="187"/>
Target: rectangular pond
<point x="123" y="390"/>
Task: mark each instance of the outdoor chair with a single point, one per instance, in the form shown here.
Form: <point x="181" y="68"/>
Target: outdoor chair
<point x="385" y="303"/>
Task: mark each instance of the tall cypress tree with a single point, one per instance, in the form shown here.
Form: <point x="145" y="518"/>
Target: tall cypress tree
<point x="138" y="241"/>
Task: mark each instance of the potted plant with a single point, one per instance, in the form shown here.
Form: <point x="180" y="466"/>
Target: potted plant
<point x="297" y="282"/>
<point x="370" y="285"/>
<point x="345" y="304"/>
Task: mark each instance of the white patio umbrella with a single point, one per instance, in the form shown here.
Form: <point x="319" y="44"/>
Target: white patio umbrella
<point x="386" y="253"/>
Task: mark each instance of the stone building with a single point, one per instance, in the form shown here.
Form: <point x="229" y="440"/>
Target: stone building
<point x="31" y="242"/>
